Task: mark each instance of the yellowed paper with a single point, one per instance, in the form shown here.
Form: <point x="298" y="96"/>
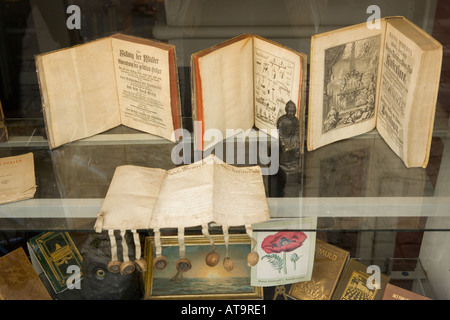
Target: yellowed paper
<point x="17" y="178"/>
<point x="196" y="194"/>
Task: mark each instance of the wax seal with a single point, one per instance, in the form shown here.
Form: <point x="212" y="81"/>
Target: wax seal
<point x="114" y="266"/>
<point x="141" y="265"/>
<point x="160" y="263"/>
<point x="127" y="267"/>
<point x="183" y="265"/>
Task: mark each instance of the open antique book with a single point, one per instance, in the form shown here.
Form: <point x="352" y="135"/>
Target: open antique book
<point x="188" y="196"/>
<point x="119" y="80"/>
<point x="384" y="78"/>
<point x="245" y="82"/>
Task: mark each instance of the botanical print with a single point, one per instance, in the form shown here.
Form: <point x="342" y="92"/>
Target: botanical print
<point x="350" y="83"/>
<point x="285" y="257"/>
<point x="279" y="245"/>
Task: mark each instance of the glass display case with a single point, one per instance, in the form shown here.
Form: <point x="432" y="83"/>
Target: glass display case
<point x="365" y="200"/>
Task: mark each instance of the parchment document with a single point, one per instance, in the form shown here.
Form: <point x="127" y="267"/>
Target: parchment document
<point x="17" y="178"/>
<point x="205" y="191"/>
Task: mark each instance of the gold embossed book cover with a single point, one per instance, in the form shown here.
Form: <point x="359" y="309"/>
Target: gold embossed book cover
<point x="329" y="261"/>
<point x="355" y="280"/>
<point x="57" y="255"/>
<point x="18" y="280"/>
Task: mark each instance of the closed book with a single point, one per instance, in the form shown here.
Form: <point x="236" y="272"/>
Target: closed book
<point x="18" y="279"/>
<point x="329" y="261"/>
<point x="358" y="282"/>
<point x="57" y="256"/>
<point x="393" y="292"/>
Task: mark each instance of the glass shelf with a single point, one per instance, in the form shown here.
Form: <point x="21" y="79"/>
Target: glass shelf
<point x="357" y="184"/>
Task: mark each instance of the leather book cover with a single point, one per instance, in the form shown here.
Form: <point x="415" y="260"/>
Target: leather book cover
<point x="53" y="253"/>
<point x="393" y="292"/>
<point x="18" y="279"/>
<point x="329" y="261"/>
<point x="353" y="284"/>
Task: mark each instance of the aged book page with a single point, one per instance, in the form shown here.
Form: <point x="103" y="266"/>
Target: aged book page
<point x="277" y="79"/>
<point x="224" y="86"/>
<point x="17" y="178"/>
<point x="143" y="85"/>
<point x="239" y="195"/>
<point x="408" y="92"/>
<point x="191" y="195"/>
<point x="130" y="199"/>
<point x="93" y="87"/>
<point x="345" y="73"/>
<point x="185" y="198"/>
<point x="72" y="81"/>
<point x="242" y="83"/>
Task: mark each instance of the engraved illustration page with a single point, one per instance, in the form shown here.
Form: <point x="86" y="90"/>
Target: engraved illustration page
<point x="78" y="91"/>
<point x="344" y="81"/>
<point x="186" y="197"/>
<point x="130" y="199"/>
<point x="226" y="79"/>
<point x="143" y="86"/>
<point x="17" y="178"/>
<point x="239" y="195"/>
<point x="277" y="79"/>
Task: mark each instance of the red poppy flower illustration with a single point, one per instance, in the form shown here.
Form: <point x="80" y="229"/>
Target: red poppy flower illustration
<point x="282" y="242"/>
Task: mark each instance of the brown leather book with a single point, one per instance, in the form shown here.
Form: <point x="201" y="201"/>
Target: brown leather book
<point x="18" y="280"/>
<point x="329" y="261"/>
<point x="396" y="293"/>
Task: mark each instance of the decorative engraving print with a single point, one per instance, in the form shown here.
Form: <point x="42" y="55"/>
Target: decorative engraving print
<point x="274" y="80"/>
<point x="350" y="78"/>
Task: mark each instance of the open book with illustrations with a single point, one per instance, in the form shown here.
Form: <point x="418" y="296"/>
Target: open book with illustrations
<point x="119" y="80"/>
<point x="243" y="83"/>
<point x="385" y="78"/>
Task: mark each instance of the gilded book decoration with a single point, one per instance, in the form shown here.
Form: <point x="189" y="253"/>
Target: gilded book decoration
<point x="329" y="262"/>
<point x="357" y="284"/>
<point x="57" y="255"/>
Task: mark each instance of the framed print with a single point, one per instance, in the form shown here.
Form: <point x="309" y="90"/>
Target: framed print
<point x="201" y="281"/>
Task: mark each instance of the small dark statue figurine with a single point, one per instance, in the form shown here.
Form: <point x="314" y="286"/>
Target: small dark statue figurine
<point x="288" y="130"/>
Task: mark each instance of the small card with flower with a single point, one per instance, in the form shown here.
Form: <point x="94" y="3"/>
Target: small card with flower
<point x="286" y="251"/>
